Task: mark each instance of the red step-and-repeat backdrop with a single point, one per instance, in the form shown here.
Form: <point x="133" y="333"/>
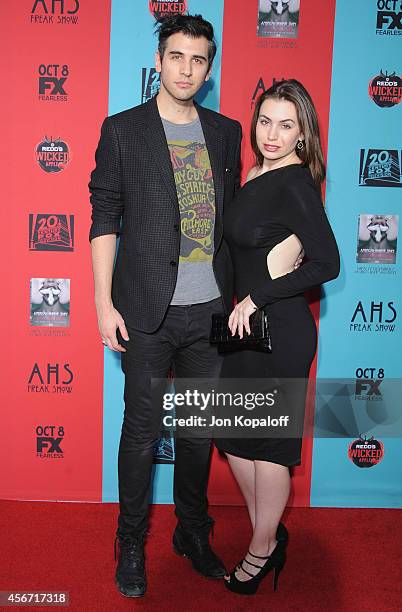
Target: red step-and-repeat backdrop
<point x="69" y="63"/>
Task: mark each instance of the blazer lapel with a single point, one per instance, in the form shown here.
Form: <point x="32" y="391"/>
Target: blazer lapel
<point x="214" y="140"/>
<point x="154" y="134"/>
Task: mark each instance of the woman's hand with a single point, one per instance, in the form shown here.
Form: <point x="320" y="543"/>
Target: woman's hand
<point x="299" y="259"/>
<point x="240" y="316"/>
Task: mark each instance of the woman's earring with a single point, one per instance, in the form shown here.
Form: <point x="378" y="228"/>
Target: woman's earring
<point x="300" y="145"/>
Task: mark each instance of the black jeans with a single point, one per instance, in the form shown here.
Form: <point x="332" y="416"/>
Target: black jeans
<point x="181" y="343"/>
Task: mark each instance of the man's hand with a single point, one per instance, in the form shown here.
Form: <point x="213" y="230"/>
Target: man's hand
<point x="109" y="320"/>
<point x="240" y="316"/>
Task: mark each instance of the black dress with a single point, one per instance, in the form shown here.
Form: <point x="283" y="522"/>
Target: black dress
<point x="266" y="211"/>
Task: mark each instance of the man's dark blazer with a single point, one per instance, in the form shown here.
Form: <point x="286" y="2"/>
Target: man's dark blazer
<point x="133" y="194"/>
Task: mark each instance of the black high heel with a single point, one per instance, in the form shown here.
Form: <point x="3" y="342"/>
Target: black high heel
<point x="282" y="535"/>
<point x="275" y="561"/>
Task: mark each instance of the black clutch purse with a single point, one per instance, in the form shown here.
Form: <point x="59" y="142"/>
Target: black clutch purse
<point x="258" y="340"/>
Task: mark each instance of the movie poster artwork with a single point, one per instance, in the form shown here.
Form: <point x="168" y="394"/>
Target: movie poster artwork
<point x="377" y="239"/>
<point x="50" y="302"/>
<point x="278" y="18"/>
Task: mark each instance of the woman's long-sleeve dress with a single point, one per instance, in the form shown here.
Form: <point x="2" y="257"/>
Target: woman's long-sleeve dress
<point x="266" y="211"/>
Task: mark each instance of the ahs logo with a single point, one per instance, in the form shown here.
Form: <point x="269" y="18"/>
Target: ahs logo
<point x="56" y="7"/>
<point x="55" y="378"/>
<point x="260" y="88"/>
<point x="373" y="318"/>
<point x="375" y="312"/>
<point x="51" y="374"/>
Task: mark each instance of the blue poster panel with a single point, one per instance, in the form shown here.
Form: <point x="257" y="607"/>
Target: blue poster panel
<point x="133" y="80"/>
<point x="360" y="327"/>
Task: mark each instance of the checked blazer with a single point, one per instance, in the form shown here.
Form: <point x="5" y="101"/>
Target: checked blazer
<point x="133" y="195"/>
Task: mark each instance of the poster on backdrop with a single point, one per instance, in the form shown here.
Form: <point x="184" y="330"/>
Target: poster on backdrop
<point x="377" y="239"/>
<point x="278" y="18"/>
<point x="50" y="302"/>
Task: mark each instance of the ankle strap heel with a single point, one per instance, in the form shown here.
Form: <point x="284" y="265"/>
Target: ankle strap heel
<point x="275" y="561"/>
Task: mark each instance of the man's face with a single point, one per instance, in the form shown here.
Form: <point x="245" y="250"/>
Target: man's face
<point x="184" y="66"/>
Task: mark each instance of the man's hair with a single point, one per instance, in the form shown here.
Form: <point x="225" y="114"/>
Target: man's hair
<point x="190" y="25"/>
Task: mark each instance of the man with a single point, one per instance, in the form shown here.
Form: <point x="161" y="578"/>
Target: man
<point x="164" y="171"/>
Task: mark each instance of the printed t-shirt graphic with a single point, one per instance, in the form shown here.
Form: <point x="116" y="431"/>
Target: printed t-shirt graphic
<point x="192" y="171"/>
<point x="195" y="192"/>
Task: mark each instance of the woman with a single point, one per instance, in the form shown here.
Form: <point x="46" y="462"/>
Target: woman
<point x="277" y="213"/>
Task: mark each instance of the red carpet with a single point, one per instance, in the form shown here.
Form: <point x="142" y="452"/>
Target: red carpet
<point x="338" y="559"/>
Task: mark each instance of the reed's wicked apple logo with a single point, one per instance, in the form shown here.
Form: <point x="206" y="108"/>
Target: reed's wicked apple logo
<point x="366" y="452"/>
<point x="52" y="154"/>
<point x="386" y="89"/>
<point x="167" y="8"/>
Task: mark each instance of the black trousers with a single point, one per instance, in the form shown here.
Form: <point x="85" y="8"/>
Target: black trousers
<point x="181" y="343"/>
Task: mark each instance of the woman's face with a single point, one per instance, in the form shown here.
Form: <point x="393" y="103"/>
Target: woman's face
<point x="278" y="130"/>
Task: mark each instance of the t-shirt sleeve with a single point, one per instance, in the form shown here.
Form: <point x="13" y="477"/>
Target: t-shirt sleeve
<point x="303" y="215"/>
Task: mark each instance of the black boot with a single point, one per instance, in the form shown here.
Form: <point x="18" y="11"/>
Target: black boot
<point x="130" y="572"/>
<point x="194" y="544"/>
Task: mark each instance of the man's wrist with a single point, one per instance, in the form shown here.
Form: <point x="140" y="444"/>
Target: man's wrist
<point x="103" y="303"/>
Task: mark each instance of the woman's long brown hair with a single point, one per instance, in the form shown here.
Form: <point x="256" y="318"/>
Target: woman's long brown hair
<point x="311" y="154"/>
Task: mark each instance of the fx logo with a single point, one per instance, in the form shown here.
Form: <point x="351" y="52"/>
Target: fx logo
<point x="55" y="85"/>
<point x="367" y="383"/>
<point x="48" y="441"/>
<point x="52" y="78"/>
<point x="387" y="16"/>
<point x="368" y="387"/>
<point x="48" y="445"/>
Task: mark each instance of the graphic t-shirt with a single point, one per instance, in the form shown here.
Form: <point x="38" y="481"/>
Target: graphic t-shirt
<point x="196" y="195"/>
